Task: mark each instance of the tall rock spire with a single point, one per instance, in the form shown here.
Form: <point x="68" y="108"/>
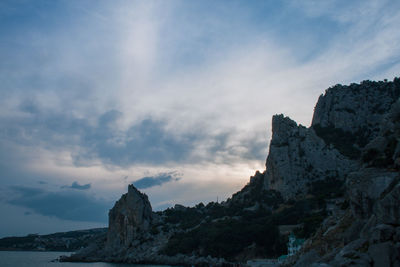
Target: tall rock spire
<point x="130" y="215"/>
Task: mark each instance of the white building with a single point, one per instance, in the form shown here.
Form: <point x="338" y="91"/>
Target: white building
<point x="294" y="244"/>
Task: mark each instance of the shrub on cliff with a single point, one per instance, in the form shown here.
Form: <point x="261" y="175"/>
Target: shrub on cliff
<point x="227" y="238"/>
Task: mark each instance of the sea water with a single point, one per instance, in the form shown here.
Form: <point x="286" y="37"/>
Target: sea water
<point x="46" y="259"/>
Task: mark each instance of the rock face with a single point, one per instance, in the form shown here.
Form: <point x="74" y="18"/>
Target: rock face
<point x="345" y="119"/>
<point x="130" y="216"/>
<point x="357" y="106"/>
<point x="368" y="234"/>
<point x="298" y="157"/>
<point x="366" y="187"/>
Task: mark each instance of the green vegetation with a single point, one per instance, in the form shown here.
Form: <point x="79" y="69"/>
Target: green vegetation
<point x="254" y="192"/>
<point x="227" y="238"/>
<point x="331" y="187"/>
<point x="186" y="217"/>
<point x="298" y="211"/>
<point x="230" y="229"/>
<point x="343" y="141"/>
<point x="381" y="159"/>
<point x="310" y="224"/>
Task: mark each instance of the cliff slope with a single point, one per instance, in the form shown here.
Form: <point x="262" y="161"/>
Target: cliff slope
<point x="368" y="234"/>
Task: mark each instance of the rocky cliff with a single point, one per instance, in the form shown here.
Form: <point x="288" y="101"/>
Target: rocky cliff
<point x="335" y="184"/>
<point x="298" y="157"/>
<point x="345" y="119"/>
<point x="356" y="108"/>
<point x="368" y="233"/>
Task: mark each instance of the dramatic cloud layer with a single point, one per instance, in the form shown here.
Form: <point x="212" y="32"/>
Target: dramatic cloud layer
<point x="147" y="141"/>
<point x="117" y="91"/>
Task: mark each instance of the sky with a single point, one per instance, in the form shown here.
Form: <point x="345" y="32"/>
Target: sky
<point x="175" y="97"/>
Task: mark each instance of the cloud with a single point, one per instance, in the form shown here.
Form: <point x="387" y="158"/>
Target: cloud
<point x="66" y="205"/>
<point x="159" y="179"/>
<point x="76" y="185"/>
<point x="147" y="141"/>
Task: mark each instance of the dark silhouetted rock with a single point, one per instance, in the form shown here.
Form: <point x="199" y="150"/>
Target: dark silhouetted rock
<point x="131" y="215"/>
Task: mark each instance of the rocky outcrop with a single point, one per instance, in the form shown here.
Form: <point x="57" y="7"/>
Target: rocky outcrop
<point x="346" y="118"/>
<point x="369" y="236"/>
<point x="366" y="187"/>
<point x="298" y="157"/>
<point x="130" y="216"/>
<point x="357" y="106"/>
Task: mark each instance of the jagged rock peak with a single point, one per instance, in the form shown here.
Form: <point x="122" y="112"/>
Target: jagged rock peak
<point x="298" y="157"/>
<point x="280" y="120"/>
<point x="130" y="215"/>
<point x="281" y="128"/>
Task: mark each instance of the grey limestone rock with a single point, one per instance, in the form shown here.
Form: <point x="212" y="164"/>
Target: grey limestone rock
<point x="297" y="157"/>
<point x="357" y="106"/>
<point x="353" y="254"/>
<point x="368" y="117"/>
<point x="365" y="187"/>
<point x="130" y="216"/>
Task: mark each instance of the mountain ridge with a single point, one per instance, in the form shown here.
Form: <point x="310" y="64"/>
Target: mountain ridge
<point x="330" y="182"/>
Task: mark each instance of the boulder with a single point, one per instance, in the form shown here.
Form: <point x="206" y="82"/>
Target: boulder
<point x="381" y="233"/>
<point x="365" y="187"/>
<point x="353" y="254"/>
<point x="382" y="254"/>
<point x="387" y="210"/>
<point x="307" y="259"/>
